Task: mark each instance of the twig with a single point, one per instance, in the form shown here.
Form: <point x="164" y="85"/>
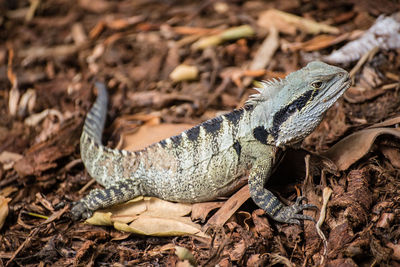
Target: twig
<point x="325" y="198"/>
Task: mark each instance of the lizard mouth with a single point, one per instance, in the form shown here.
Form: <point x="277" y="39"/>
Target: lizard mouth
<point x="337" y="93"/>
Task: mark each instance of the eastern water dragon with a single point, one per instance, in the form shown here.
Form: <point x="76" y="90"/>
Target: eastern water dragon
<point x="208" y="160"/>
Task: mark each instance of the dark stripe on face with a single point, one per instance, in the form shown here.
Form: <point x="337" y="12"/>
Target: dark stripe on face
<point x="193" y="133"/>
<point x="234" y="116"/>
<point x="282" y="115"/>
<point x="260" y="134"/>
<point x="212" y="126"/>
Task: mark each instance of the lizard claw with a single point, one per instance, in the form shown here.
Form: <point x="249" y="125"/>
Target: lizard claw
<point x="289" y="214"/>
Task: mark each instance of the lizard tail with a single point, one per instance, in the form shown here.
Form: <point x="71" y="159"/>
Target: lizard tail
<point x="105" y="165"/>
<point x="93" y="153"/>
<point x="96" y="118"/>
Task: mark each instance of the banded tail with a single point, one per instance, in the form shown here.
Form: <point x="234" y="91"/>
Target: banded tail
<point x="96" y="118"/>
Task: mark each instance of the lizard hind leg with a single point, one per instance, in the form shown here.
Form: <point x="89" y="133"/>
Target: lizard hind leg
<point x="117" y="193"/>
<point x="269" y="202"/>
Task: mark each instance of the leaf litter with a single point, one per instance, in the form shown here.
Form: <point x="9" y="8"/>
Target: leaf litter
<point x="48" y="76"/>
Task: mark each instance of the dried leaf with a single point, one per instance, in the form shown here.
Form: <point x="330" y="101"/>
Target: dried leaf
<point x="8" y="159"/>
<point x="201" y="210"/>
<point x="385" y="34"/>
<point x="392" y="154"/>
<point x="184" y="73"/>
<point x="289" y="23"/>
<point x="317" y="43"/>
<point x="266" y="50"/>
<point x="237" y="33"/>
<point x="3" y="209"/>
<point x="149" y="216"/>
<point x="27" y="102"/>
<point x="78" y="33"/>
<point x="185" y="254"/>
<point x="234" y="33"/>
<point x="119" y="24"/>
<point x="229" y="208"/>
<point x="359" y="95"/>
<point x="355" y="146"/>
<point x="158" y="226"/>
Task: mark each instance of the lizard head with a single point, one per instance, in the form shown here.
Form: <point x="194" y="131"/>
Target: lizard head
<point x="293" y="107"/>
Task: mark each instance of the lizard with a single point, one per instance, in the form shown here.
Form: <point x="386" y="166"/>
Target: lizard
<point x="207" y="161"/>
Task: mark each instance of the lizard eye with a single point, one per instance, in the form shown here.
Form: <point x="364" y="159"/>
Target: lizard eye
<point x="316" y="85"/>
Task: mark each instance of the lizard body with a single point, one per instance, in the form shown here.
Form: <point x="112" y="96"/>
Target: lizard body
<point x="208" y="160"/>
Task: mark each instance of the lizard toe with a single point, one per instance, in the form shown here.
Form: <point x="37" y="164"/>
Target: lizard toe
<point x="289" y="214"/>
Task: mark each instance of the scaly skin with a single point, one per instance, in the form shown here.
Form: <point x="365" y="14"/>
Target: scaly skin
<point x="208" y="160"/>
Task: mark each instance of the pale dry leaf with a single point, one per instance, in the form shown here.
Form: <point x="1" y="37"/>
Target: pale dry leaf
<point x="185" y="254"/>
<point x="125" y="212"/>
<point x="78" y="33"/>
<point x="184" y="72"/>
<point x="8" y="159"/>
<point x="36" y="118"/>
<point x="237" y="32"/>
<point x="27" y="102"/>
<point x="353" y="147"/>
<point x="289" y="23"/>
<point x="14" y="96"/>
<point x="100" y="218"/>
<point x="158" y="226"/>
<point x="233" y="33"/>
<point x="317" y="43"/>
<point x="149" y="216"/>
<point x="163" y="208"/>
<point x="385" y="34"/>
<point x="265" y="52"/>
<point x="3" y="209"/>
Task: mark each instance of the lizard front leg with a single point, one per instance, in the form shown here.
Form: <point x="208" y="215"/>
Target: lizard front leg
<point x="119" y="192"/>
<point x="264" y="198"/>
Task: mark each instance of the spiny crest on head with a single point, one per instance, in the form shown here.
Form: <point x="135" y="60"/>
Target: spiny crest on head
<point x="267" y="90"/>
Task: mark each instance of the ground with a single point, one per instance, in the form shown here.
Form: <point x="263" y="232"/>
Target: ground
<point x="53" y="51"/>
